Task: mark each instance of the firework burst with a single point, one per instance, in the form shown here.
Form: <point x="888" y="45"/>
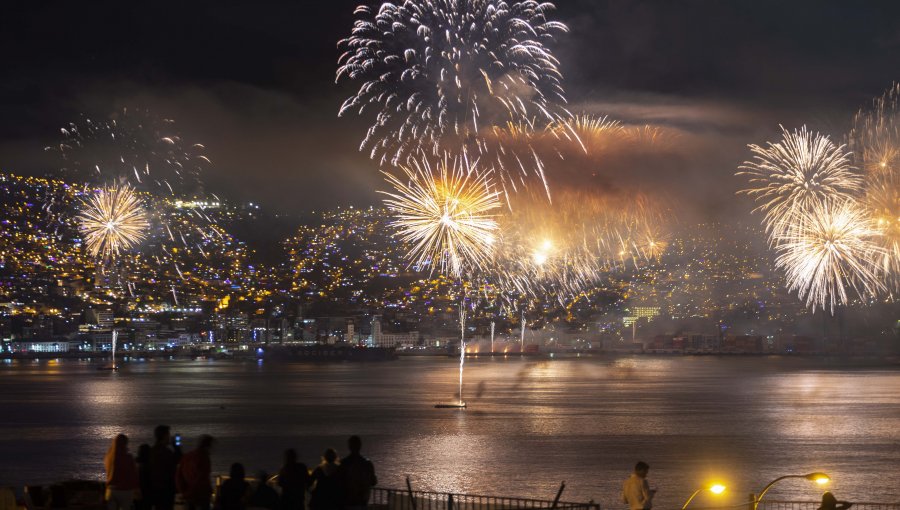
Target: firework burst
<point x="593" y="135"/>
<point x="146" y="152"/>
<point x="875" y="136"/>
<point x="828" y="248"/>
<point x="561" y="250"/>
<point x="875" y="140"/>
<point x="441" y="73"/>
<point x="112" y="220"/>
<point x="882" y="202"/>
<point x="446" y="213"/>
<point x="796" y="175"/>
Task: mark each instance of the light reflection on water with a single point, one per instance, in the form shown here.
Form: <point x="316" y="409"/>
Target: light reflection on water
<point x="530" y="425"/>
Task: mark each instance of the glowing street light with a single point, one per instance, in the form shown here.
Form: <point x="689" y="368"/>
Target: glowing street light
<point x="818" y="477"/>
<point x="715" y="489"/>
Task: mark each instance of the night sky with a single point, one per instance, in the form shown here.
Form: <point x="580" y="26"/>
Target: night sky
<point x="254" y="82"/>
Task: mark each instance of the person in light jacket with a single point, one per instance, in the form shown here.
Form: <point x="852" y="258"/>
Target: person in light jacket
<point x="636" y="491"/>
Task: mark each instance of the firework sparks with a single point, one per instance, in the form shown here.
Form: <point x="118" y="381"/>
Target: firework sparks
<point x="560" y="250"/>
<point x="442" y="72"/>
<point x="882" y="202"/>
<point x="875" y="137"/>
<point x="828" y="248"/>
<point x="447" y="214"/>
<point x="593" y="134"/>
<point x="146" y="152"/>
<point x="564" y="247"/>
<point x="113" y="220"/>
<point x="796" y="175"/>
<point x="875" y="140"/>
<point x="132" y="146"/>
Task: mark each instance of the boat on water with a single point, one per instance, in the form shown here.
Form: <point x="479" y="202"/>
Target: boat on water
<point x="451" y="405"/>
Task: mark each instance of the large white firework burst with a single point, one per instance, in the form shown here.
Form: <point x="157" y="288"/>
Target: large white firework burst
<point x="827" y="249"/>
<point x="112" y="220"/>
<point x="439" y="73"/>
<point x="795" y="175"/>
<point x="446" y="212"/>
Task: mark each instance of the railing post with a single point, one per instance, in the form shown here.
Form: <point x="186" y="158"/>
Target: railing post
<point x="562" y="487"/>
<point x="449" y="501"/>
<point x="412" y="500"/>
<point x="752" y="502"/>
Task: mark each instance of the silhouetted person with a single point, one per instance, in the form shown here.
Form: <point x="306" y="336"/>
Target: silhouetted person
<point x="294" y="480"/>
<point x="163" y="462"/>
<point x="357" y="476"/>
<point x="192" y="476"/>
<point x="144" y="481"/>
<point x="263" y="495"/>
<point x="234" y="492"/>
<point x="325" y="494"/>
<point x="8" y="499"/>
<point x="636" y="491"/>
<point x="829" y="502"/>
<point x="121" y="475"/>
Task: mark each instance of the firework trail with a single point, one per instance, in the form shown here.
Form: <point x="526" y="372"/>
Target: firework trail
<point x="446" y="212"/>
<point x="826" y="249"/>
<point x="113" y="220"/>
<point x="796" y="175"/>
<point x="440" y="73"/>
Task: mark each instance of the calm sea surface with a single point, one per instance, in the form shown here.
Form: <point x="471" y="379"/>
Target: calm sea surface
<point x="530" y="425"/>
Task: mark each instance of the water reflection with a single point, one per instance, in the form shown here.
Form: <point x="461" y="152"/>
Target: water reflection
<point x="530" y="423"/>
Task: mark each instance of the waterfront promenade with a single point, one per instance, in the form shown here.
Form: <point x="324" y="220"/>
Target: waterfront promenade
<point x="89" y="496"/>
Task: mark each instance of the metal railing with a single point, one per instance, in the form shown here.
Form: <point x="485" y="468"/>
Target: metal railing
<point x="767" y="504"/>
<point x="395" y="499"/>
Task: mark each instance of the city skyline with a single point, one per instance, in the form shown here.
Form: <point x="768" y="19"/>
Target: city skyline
<point x="344" y="269"/>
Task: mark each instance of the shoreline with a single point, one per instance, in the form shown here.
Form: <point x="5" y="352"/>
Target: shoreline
<point x="890" y="360"/>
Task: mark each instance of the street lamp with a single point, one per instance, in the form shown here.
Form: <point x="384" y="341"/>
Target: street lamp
<point x="819" y="478"/>
<point x="715" y="489"/>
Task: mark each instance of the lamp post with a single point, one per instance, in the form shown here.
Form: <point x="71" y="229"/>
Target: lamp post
<point x="715" y="489"/>
<point x="819" y="478"/>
